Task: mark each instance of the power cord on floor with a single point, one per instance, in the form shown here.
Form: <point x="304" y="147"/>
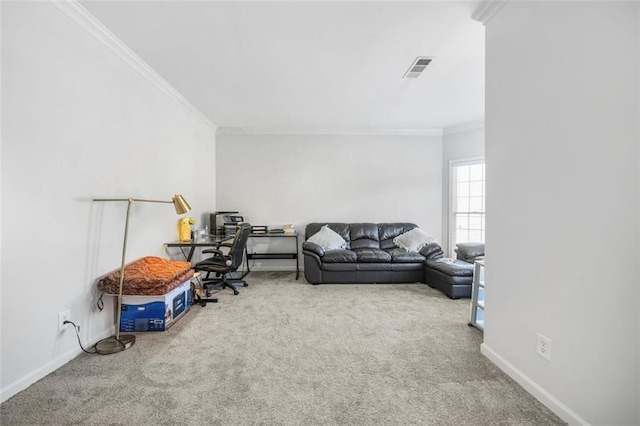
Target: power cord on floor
<point x="75" y="327"/>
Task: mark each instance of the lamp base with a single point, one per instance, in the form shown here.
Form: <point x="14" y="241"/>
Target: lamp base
<point x="111" y="346"/>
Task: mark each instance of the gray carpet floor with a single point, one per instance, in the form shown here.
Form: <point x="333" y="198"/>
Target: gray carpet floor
<point x="286" y="352"/>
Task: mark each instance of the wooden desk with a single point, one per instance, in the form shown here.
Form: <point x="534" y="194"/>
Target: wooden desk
<point x="267" y="256"/>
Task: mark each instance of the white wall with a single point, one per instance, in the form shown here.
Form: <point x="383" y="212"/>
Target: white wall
<point x="277" y="179"/>
<point x="457" y="145"/>
<point x="80" y="123"/>
<point x="1" y="175"/>
<point x="562" y="204"/>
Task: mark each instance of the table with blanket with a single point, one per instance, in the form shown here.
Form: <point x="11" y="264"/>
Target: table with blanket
<point x="148" y="276"/>
<point x="156" y="292"/>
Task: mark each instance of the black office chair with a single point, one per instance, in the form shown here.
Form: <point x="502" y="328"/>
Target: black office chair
<point x="222" y="265"/>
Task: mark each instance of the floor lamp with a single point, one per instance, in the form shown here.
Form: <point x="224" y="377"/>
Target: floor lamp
<point x="119" y="343"/>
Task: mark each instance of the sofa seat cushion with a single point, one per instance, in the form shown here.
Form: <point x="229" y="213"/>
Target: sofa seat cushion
<point x="399" y="255"/>
<point x="340" y="256"/>
<point x="373" y="256"/>
<point x="450" y="267"/>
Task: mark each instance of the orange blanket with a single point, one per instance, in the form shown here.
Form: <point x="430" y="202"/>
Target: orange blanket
<point x="148" y="276"/>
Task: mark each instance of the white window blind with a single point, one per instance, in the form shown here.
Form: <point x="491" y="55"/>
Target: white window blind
<point x="466" y="218"/>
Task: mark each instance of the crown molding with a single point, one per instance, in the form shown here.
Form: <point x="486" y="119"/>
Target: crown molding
<point x="327" y="131"/>
<point x="465" y="127"/>
<point x="487" y="10"/>
<point x="93" y="26"/>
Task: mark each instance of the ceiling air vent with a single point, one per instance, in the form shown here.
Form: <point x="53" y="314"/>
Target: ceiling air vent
<point x="417" y="67"/>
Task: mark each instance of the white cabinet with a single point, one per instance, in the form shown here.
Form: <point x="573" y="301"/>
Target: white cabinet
<point x="477" y="296"/>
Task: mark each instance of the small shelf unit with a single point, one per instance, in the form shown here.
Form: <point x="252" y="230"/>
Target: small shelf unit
<point x="477" y="296"/>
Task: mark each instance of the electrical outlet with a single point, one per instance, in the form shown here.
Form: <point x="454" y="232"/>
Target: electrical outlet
<point x="62" y="317"/>
<point x="543" y="347"/>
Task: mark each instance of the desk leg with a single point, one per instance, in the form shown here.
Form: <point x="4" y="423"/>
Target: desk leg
<point x="189" y="256"/>
<point x="246" y="262"/>
<point x="193" y="249"/>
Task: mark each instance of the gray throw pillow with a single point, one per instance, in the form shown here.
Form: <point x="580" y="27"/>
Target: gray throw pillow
<point x="413" y="240"/>
<point x="328" y="239"/>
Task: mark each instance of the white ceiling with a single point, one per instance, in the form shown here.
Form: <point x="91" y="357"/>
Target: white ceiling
<point x="311" y="65"/>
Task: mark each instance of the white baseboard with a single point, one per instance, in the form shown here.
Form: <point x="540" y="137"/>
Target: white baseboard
<point x="26" y="381"/>
<point x="533" y="388"/>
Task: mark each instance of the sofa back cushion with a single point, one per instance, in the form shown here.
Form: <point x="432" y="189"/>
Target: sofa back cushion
<point x="364" y="236"/>
<point x="388" y="231"/>
<point x="341" y="228"/>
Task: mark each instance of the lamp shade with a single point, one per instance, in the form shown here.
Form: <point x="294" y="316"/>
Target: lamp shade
<point x="180" y="204"/>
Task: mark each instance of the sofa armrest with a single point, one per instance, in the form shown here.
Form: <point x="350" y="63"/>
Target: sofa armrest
<point x="432" y="251"/>
<point x="469" y="251"/>
<point x="314" y="248"/>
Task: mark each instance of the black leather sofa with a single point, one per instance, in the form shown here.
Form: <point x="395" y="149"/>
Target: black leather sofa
<point x="370" y="255"/>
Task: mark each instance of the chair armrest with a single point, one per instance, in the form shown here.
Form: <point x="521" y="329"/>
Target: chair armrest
<point x="216" y="258"/>
<point x="313" y="247"/>
<point x="215" y="252"/>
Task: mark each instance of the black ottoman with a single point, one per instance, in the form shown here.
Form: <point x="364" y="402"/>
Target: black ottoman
<point x="453" y="277"/>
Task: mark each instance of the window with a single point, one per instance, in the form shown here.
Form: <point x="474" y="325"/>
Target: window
<point x="466" y="220"/>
